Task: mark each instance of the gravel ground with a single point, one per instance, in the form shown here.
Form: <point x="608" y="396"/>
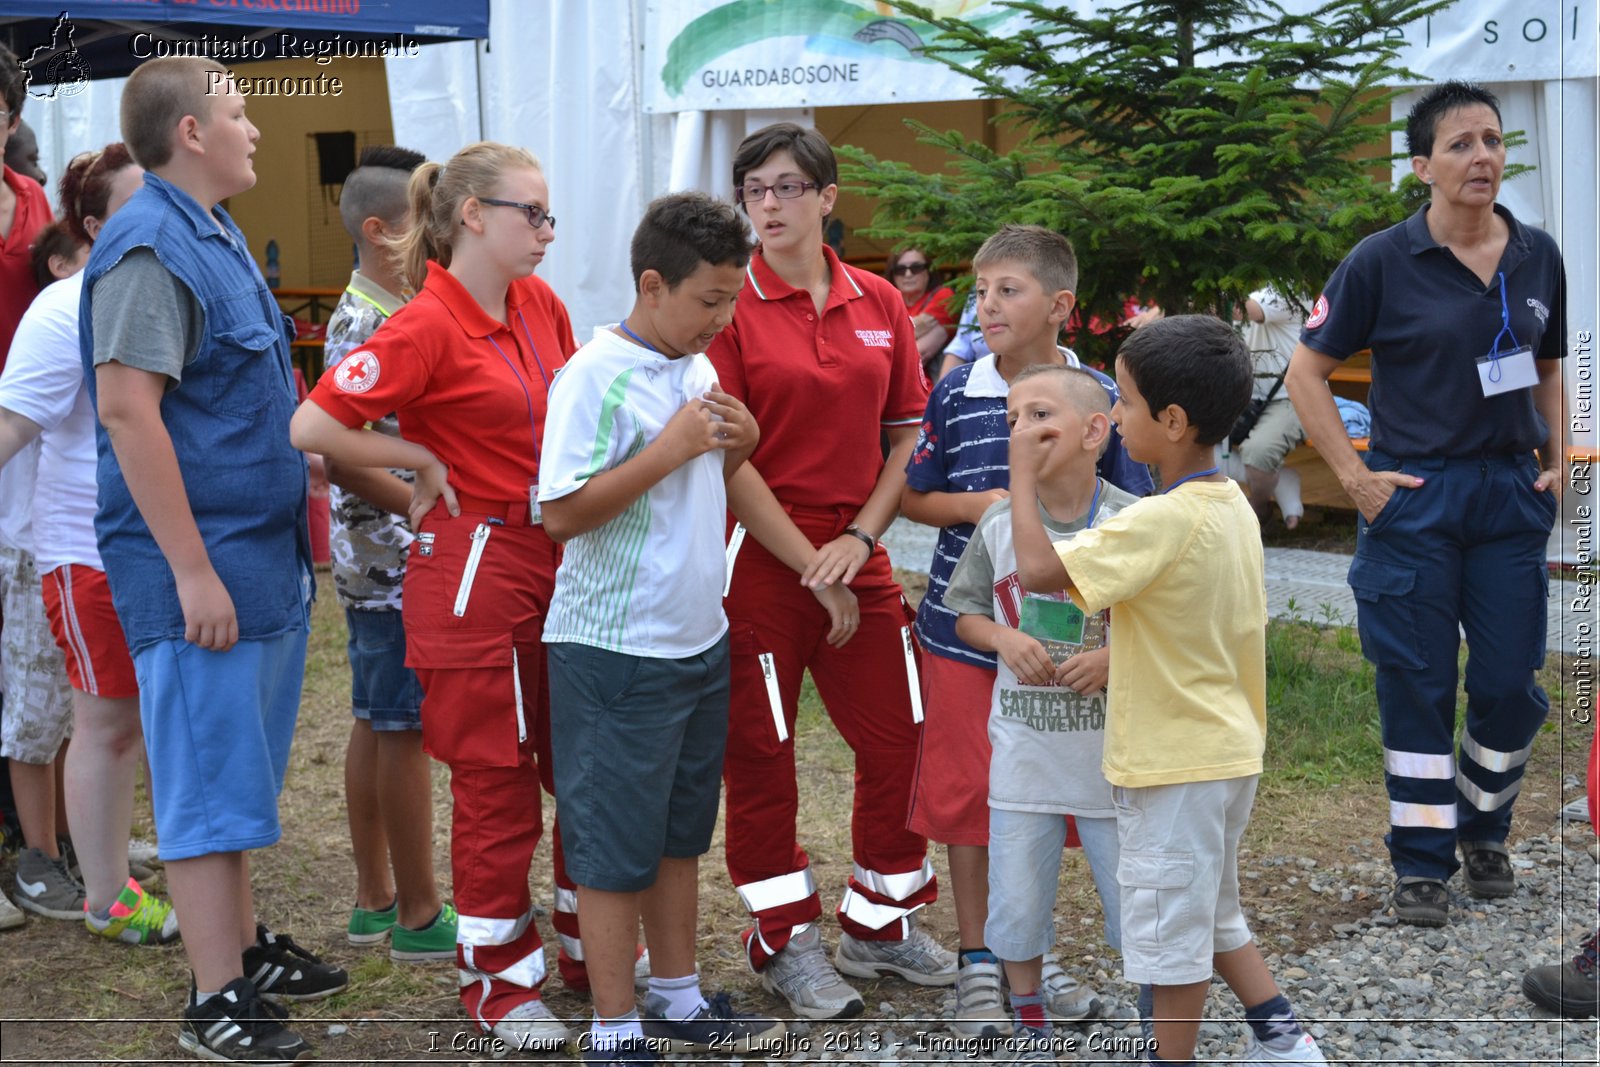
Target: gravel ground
<point x="1375" y="992"/>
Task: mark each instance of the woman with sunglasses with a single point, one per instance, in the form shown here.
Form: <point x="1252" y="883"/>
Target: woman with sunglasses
<point x="927" y="302"/>
<point x="466" y="365"/>
<point x="823" y="355"/>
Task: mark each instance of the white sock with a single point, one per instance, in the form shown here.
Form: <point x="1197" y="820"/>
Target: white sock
<point x="682" y="995"/>
<point x="609" y="1033"/>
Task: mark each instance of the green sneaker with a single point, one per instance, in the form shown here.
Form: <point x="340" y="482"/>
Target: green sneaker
<point x="370" y="927"/>
<point x="436" y="941"/>
<point x="137" y="918"/>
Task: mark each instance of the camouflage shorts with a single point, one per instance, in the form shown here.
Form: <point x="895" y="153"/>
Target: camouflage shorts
<point x="33" y="673"/>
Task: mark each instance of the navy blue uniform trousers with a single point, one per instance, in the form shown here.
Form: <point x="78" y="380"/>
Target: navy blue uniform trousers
<point x="1465" y="552"/>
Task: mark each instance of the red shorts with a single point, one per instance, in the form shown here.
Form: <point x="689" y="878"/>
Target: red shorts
<point x="86" y="626"/>
<point x="950" y="795"/>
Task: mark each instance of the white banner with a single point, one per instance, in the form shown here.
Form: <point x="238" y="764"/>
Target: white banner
<point x="709" y="55"/>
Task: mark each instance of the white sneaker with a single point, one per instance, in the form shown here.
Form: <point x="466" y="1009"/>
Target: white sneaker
<point x="1304" y="1050"/>
<point x="918" y="959"/>
<point x="1064" y="999"/>
<point x="980" y="1006"/>
<point x="530" y="1025"/>
<point x="10" y="914"/>
<point x="802" y="975"/>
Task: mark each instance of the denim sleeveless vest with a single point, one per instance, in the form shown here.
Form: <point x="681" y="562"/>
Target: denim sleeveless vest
<point x="229" y="422"/>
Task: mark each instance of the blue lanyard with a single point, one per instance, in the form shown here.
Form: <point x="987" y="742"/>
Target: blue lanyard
<point x="1094" y="505"/>
<point x="1505" y="330"/>
<point x="533" y="434"/>
<point x="640" y="341"/>
<point x="1189" y="478"/>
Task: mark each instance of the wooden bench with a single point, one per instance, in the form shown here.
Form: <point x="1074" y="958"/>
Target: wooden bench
<point x="1318" y="485"/>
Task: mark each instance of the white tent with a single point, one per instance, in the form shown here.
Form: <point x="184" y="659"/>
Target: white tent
<point x="626" y="99"/>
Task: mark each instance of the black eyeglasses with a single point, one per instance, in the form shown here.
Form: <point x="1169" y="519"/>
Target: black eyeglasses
<point x="754" y="193"/>
<point x="537" y="216"/>
<point x="909" y="269"/>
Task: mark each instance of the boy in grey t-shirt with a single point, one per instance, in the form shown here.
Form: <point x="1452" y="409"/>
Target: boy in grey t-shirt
<point x="1047" y="717"/>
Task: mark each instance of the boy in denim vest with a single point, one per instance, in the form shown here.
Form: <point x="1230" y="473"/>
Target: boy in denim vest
<point x="202" y="526"/>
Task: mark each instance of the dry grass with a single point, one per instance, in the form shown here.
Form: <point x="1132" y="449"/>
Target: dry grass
<point x="98" y="1002"/>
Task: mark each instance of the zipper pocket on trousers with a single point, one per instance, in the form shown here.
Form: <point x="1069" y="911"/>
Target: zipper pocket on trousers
<point x="480" y="538"/>
<point x="516" y="688"/>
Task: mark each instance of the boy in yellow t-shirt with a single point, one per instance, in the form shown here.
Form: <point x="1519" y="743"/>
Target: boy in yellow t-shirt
<point x="1187" y="696"/>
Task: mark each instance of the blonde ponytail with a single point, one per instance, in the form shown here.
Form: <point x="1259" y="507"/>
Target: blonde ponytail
<point x="434" y="197"/>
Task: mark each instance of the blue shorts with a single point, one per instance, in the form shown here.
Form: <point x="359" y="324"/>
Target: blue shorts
<point x="637" y="746"/>
<point x="383" y="690"/>
<point x="217" y="726"/>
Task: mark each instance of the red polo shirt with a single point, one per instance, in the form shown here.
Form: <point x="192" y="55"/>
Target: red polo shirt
<point x="16" y="256"/>
<point x="469" y="389"/>
<point x="821" y="387"/>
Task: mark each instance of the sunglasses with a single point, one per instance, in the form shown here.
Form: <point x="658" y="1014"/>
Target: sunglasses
<point x="908" y="269"/>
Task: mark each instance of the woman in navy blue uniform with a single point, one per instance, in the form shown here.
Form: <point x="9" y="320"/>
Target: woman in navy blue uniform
<point x="1464" y="310"/>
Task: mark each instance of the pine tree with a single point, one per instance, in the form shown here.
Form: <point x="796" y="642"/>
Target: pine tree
<point x="1193" y="150"/>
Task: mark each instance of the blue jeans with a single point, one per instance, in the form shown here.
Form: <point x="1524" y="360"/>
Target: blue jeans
<point x="383" y="690"/>
<point x="1463" y="552"/>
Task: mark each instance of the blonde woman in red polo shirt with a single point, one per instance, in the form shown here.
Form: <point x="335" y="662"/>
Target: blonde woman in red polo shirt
<point x="825" y="357"/>
<point x="467" y="365"/>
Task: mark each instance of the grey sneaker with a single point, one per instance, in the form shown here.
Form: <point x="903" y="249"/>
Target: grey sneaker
<point x="918" y="958"/>
<point x="1064" y="999"/>
<point x="980" y="1006"/>
<point x="46" y="887"/>
<point x="802" y="975"/>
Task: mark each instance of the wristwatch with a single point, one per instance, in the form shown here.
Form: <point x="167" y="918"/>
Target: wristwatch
<point x="871" y="542"/>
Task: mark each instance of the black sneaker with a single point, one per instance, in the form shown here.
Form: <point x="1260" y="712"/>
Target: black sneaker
<point x="282" y="970"/>
<point x="625" y="1054"/>
<point x="1486" y="868"/>
<point x="1422" y="902"/>
<point x="1569" y="988"/>
<point x="715" y="1028"/>
<point x="237" y="1024"/>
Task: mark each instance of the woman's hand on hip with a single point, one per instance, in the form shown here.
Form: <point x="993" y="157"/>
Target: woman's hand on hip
<point x="431" y="486"/>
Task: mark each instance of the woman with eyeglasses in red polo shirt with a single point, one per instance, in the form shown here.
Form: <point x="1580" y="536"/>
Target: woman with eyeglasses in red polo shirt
<point x="466" y="365"/>
<point x="823" y="355"/>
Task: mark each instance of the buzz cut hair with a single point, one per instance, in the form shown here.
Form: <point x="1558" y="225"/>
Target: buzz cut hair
<point x="377" y="187"/>
<point x="159" y="93"/>
<point x="1046" y="254"/>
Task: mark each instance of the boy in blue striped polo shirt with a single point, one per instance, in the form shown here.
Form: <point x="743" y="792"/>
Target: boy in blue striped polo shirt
<point x="1027" y="277"/>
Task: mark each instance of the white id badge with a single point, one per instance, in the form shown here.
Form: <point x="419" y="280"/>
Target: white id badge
<point x="1507" y="372"/>
<point x="535" y="516"/>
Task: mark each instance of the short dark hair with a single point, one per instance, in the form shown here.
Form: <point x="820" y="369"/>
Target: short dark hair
<point x="55" y="239"/>
<point x="1438" y="102"/>
<point x="680" y="231"/>
<point x="13" y="82"/>
<point x="1196" y="362"/>
<point x="1048" y="255"/>
<point x="808" y="147"/>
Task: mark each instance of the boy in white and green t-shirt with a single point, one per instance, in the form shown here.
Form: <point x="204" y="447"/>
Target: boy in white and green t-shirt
<point x="1047" y="717"/>
<point x="637" y="447"/>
